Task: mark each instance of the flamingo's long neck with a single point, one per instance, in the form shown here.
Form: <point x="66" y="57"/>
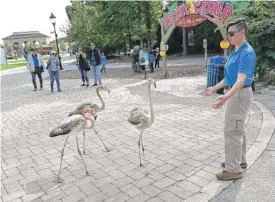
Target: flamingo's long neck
<point x="152" y="115"/>
<point x="102" y="102"/>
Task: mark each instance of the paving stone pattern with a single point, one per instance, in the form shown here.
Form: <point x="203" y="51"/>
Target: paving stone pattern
<point x="184" y="147"/>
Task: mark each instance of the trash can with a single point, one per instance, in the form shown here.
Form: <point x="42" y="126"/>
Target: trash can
<point x="215" y="71"/>
<point x="220" y="69"/>
<point x="211" y="75"/>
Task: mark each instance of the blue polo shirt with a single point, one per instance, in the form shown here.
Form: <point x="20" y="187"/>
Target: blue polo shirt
<point x="241" y="61"/>
<point x="35" y="61"/>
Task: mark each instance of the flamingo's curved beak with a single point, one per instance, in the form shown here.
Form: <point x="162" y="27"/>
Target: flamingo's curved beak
<point x="94" y="115"/>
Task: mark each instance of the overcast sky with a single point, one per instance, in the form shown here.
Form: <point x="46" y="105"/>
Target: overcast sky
<point x="31" y="15"/>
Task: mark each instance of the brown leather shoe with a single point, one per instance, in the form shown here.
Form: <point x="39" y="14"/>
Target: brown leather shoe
<point x="226" y="176"/>
<point x="243" y="165"/>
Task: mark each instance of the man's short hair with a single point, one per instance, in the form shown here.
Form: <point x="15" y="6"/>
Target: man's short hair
<point x="239" y="23"/>
<point x="32" y="49"/>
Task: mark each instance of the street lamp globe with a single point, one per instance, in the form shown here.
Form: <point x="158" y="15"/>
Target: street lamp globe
<point x="53" y="18"/>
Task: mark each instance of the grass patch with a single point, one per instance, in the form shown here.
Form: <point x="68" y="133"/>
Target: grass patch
<point x="14" y="65"/>
<point x="20" y="62"/>
<point x="46" y="57"/>
<point x="16" y="61"/>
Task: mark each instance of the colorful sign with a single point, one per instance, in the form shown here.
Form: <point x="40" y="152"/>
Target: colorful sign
<point x="190" y="21"/>
<point x="217" y="8"/>
<point x="162" y="53"/>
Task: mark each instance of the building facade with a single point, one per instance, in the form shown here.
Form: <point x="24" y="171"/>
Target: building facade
<point x="20" y="42"/>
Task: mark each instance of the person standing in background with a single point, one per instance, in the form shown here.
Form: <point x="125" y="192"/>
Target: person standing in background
<point x="95" y="61"/>
<point x="104" y="63"/>
<point x="151" y="61"/>
<point x="157" y="57"/>
<point x="35" y="65"/>
<point x="53" y="67"/>
<point x="80" y="60"/>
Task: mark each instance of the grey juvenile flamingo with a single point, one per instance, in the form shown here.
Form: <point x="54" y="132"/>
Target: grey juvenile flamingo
<point x="72" y="126"/>
<point x="95" y="107"/>
<point x="141" y="119"/>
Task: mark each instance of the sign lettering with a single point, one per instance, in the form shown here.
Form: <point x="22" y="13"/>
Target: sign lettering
<point x="208" y="7"/>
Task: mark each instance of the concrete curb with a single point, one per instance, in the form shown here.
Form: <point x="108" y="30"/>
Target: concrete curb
<point x="216" y="186"/>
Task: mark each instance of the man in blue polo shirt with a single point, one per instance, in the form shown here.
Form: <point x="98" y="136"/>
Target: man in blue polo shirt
<point x="239" y="70"/>
<point x="35" y="61"/>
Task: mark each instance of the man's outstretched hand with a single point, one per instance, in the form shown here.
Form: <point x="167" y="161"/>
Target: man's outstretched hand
<point x="221" y="100"/>
<point x="209" y="91"/>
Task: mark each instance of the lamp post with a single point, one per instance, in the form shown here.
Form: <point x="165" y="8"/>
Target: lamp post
<point x="53" y="21"/>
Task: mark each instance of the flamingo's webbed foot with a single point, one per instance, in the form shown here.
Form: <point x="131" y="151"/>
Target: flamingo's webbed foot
<point x="147" y="174"/>
<point x="59" y="180"/>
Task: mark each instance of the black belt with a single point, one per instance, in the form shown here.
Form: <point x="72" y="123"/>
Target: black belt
<point x="228" y="87"/>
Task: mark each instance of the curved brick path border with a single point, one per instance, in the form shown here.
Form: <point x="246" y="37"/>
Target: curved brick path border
<point x="184" y="147"/>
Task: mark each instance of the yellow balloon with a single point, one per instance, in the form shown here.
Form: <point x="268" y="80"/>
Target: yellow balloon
<point x="162" y="53"/>
<point x="224" y="44"/>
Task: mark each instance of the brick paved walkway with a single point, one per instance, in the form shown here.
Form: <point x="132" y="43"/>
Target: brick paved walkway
<point x="184" y="147"/>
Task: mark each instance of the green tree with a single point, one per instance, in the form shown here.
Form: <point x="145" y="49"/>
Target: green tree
<point x="54" y="47"/>
<point x="62" y="46"/>
<point x="112" y="25"/>
<point x="261" y="34"/>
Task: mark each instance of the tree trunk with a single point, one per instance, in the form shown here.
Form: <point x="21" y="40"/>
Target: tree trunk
<point x="148" y="23"/>
<point x="129" y="33"/>
<point x="140" y="31"/>
<point x="185" y="41"/>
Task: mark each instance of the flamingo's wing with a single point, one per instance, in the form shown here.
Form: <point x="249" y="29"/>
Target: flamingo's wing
<point x="71" y="123"/>
<point x="136" y="115"/>
<point x="80" y="108"/>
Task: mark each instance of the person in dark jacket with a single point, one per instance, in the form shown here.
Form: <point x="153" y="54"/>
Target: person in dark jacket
<point x="83" y="68"/>
<point x="157" y="57"/>
<point x="95" y="61"/>
<point x="151" y="61"/>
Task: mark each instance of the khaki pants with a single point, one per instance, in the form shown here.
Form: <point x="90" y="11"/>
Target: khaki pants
<point x="237" y="108"/>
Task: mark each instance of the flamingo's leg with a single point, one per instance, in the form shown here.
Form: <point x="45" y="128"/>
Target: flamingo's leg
<point x="107" y="149"/>
<point x="62" y="154"/>
<point x="79" y="152"/>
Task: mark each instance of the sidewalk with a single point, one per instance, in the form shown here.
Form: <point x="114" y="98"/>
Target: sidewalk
<point x="184" y="147"/>
<point x="176" y="62"/>
<point x="259" y="183"/>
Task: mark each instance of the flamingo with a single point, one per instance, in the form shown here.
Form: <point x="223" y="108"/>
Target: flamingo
<point x="72" y="126"/>
<point x="142" y="120"/>
<point x="95" y="107"/>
